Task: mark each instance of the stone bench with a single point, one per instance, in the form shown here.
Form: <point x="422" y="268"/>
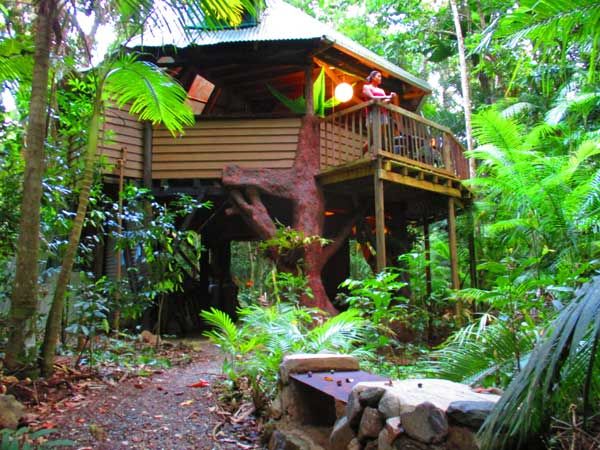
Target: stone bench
<point x="417" y="414"/>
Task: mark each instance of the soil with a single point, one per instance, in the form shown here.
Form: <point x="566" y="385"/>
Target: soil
<point x="167" y="409"/>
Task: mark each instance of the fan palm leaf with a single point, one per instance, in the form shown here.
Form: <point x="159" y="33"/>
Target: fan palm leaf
<point x="561" y="367"/>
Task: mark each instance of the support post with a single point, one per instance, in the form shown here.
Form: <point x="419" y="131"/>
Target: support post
<point x="119" y="253"/>
<point x="379" y="216"/>
<point x="453" y="252"/>
<point x="446" y="156"/>
<point x="308" y="89"/>
<point x="427" y="240"/>
<point x="472" y="250"/>
<point x="147" y="142"/>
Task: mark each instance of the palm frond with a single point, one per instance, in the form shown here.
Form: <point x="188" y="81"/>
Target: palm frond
<point x="487" y="348"/>
<point x="16" y="59"/>
<point x="149" y="93"/>
<point x="490" y="127"/>
<point x="567" y="352"/>
<point x="517" y="108"/>
<point x="339" y="333"/>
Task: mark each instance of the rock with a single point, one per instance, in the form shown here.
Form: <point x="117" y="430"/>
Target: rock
<point x="354" y="409"/>
<point x="389" y="405"/>
<point x="461" y="438"/>
<point x="354" y="444"/>
<point x="275" y="410"/>
<point x="341" y="435"/>
<point x="371" y="423"/>
<point x="385" y="439"/>
<point x="10" y="412"/>
<point x="406" y="443"/>
<point x="394" y="426"/>
<point x="469" y="413"/>
<point x="370" y="396"/>
<point x="426" y="423"/>
<point x="371" y="445"/>
<point x="288" y="441"/>
<point x="300" y="363"/>
<point x="404" y="395"/>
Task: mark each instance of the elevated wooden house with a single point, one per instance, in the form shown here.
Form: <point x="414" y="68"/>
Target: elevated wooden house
<point x="397" y="170"/>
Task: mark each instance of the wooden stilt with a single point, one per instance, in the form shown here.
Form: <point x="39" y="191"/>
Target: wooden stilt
<point x="453" y="253"/>
<point x="119" y="253"/>
<point x="427" y="256"/>
<point x="147" y="164"/>
<point x="308" y="89"/>
<point x="379" y="217"/>
<point x="472" y="250"/>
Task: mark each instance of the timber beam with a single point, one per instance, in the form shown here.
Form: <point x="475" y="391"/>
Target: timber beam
<point x="397" y="170"/>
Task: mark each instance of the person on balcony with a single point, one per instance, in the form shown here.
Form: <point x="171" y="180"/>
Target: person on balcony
<point x="372" y="91"/>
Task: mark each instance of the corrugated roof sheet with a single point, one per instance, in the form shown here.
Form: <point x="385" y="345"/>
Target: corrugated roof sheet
<point x="279" y="21"/>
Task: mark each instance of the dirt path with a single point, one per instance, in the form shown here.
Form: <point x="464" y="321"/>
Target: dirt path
<point x="160" y="411"/>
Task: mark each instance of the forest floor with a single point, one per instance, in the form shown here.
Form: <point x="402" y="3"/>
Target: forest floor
<point x="173" y="408"/>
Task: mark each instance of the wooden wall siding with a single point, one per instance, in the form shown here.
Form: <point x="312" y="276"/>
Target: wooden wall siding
<point x="126" y="132"/>
<point x="339" y="145"/>
<point x="204" y="150"/>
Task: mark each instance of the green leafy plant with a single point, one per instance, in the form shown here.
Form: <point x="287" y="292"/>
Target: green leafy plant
<point x="90" y="309"/>
<point x="25" y="439"/>
<point x="378" y="300"/>
<point x="254" y="348"/>
<point x="159" y="243"/>
<point x="298" y="105"/>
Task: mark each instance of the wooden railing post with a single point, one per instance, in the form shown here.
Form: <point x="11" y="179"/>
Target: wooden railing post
<point x="375" y="116"/>
<point x="446" y="153"/>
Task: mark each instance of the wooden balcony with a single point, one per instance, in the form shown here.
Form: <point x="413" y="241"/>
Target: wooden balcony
<point x="413" y="150"/>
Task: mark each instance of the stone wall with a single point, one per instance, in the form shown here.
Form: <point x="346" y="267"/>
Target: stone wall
<point x="418" y="414"/>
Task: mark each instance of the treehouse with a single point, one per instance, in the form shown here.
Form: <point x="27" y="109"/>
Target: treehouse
<point x="270" y="145"/>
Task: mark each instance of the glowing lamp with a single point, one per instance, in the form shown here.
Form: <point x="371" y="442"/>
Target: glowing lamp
<point x="343" y="92"/>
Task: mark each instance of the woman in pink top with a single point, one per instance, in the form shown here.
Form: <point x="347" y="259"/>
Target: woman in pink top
<point x="372" y="91"/>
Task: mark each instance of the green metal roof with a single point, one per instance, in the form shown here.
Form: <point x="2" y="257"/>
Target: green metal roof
<point x="278" y="22"/>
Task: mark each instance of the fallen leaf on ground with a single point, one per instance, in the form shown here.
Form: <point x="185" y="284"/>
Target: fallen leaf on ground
<point x="199" y="384"/>
<point x="186" y="403"/>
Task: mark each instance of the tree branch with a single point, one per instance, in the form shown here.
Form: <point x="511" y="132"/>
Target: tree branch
<point x="254" y="212"/>
<point x="277" y="182"/>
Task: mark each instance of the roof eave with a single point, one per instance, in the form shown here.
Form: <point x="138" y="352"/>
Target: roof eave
<point x="387" y="71"/>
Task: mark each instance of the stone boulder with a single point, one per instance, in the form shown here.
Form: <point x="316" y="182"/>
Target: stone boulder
<point x="469" y="413"/>
<point x="341" y="435"/>
<point x="426" y="423"/>
<point x="371" y="423"/>
<point x="10" y="412"/>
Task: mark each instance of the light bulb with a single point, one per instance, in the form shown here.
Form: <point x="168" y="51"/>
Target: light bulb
<point x="343" y="92"/>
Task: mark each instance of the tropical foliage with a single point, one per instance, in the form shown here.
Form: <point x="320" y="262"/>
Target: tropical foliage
<point x="255" y="347"/>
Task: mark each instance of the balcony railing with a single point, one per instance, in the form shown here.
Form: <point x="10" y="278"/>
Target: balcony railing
<point x="380" y="128"/>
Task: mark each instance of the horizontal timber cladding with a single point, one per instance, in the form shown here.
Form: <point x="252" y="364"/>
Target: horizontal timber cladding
<point x="122" y="130"/>
<point x="204" y="150"/>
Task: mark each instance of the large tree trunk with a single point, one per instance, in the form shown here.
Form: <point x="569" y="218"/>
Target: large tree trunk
<point x="53" y="324"/>
<point x="20" y="350"/>
<point x="464" y="81"/>
<point x="298" y="185"/>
